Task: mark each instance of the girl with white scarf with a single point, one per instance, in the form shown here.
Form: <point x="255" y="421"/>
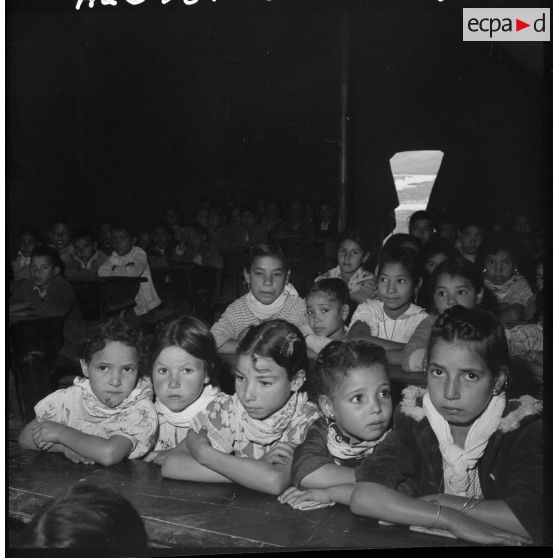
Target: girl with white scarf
<point x="249" y="437"/>
<point x="354" y="395"/>
<point x="491" y="500"/>
<point x="184" y="356"/>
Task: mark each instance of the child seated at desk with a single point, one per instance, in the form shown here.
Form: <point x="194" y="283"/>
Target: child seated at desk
<point x="106" y="416"/>
<point x="47" y="293"/>
<point x="184" y="359"/>
<point x="88" y="258"/>
<point x="270" y="296"/>
<point x="327" y="308"/>
<point x="161" y="247"/>
<point x="29" y="239"/>
<point x="59" y="232"/>
<point x="355" y="399"/>
<point x="249" y="437"/>
<point x="128" y="260"/>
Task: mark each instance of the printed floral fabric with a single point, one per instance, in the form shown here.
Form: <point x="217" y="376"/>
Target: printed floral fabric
<point x="514" y="291"/>
<point x="231" y="430"/>
<point x="78" y="407"/>
<point x="361" y="279"/>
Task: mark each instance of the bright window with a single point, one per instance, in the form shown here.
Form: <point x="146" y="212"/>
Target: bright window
<point x="414" y="173"/>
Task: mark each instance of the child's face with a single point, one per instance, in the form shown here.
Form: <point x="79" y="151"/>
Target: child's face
<point x="144" y="240"/>
<point x="85" y="248"/>
<point x="326" y="315"/>
<point x="499" y="267"/>
<point x="460" y="384"/>
<point x="43" y="271"/>
<point x="350" y="256"/>
<point x="105" y="234"/>
<point x="263" y="386"/>
<point x="122" y="242"/>
<point x="267" y="278"/>
<point x="178" y="378"/>
<point x="471" y="238"/>
<point x="112" y="372"/>
<point x="362" y="403"/>
<point x="539" y="277"/>
<point x="433" y="261"/>
<point x="161" y="238"/>
<point x="448" y="231"/>
<point x="60" y="236"/>
<point x="422" y="229"/>
<point x="395" y="289"/>
<point x="171" y="217"/>
<point x="450" y="291"/>
<point x="27" y="243"/>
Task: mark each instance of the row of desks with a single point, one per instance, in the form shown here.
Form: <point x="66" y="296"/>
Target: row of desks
<point x="200" y="518"/>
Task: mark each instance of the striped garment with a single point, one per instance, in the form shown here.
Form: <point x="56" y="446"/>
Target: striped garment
<point x="237" y="317"/>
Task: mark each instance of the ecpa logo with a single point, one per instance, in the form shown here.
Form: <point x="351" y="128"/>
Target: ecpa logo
<point x="503" y="24"/>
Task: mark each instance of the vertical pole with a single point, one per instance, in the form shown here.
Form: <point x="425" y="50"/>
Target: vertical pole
<point x="342" y="193"/>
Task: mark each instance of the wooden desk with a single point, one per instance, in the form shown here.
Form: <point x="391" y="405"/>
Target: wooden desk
<point x="204" y="518"/>
<point x="34" y="344"/>
<point x="106" y="296"/>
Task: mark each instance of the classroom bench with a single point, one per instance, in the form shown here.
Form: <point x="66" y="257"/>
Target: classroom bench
<point x="202" y="518"/>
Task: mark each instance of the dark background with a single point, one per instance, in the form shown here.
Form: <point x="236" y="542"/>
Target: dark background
<point x="127" y="109"/>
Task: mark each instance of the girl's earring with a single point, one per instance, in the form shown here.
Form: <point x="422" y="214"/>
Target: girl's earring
<point x="246" y="285"/>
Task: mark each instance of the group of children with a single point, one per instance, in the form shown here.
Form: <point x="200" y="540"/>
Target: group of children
<point x="459" y="456"/>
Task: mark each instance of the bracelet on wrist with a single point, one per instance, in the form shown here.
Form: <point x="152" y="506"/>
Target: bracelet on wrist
<point x="439" y="509"/>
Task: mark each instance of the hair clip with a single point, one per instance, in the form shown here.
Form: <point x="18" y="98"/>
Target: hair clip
<point x="288" y="344"/>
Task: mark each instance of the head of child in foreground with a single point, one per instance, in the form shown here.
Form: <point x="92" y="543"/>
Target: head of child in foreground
<point x="352" y="252"/>
<point x="29" y="239"/>
<point x="327" y="307"/>
<point x="88" y="516"/>
<point x="498" y="260"/>
<point x="353" y="388"/>
<point x="457" y="281"/>
<point x="123" y="240"/>
<point x="111" y="356"/>
<point x="468" y="363"/>
<point x="421" y="226"/>
<point x="399" y="278"/>
<point x="271" y="366"/>
<point x="184" y="356"/>
<point x="266" y="272"/>
<point x="84" y="244"/>
<point x="45" y="266"/>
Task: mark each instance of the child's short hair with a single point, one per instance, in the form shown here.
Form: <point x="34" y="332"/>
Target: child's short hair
<point x="438" y="245"/>
<point x="190" y="334"/>
<point x="123" y="226"/>
<point x="88" y="516"/>
<point x="356" y="235"/>
<point x="406" y="257"/>
<point x="279" y="340"/>
<point x="113" y="329"/>
<point x="50" y="253"/>
<point x="269" y="249"/>
<point x="493" y="244"/>
<point x="83" y="232"/>
<point x="458" y="266"/>
<point x="419" y="216"/>
<point x="338" y="357"/>
<point x="395" y="241"/>
<point x="333" y="287"/>
<point x="481" y="329"/>
<point x="35" y="232"/>
<point x="59" y="219"/>
<point x="470" y="221"/>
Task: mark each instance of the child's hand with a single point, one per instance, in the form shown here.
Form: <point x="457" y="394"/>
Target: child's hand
<point x="196" y="442"/>
<point x="157" y="457"/>
<point x="306" y="499"/>
<point x="46" y="433"/>
<point x="469" y="529"/>
<point x="280" y="454"/>
<point x="76" y="457"/>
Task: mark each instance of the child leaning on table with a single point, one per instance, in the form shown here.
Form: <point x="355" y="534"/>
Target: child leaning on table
<point x="184" y="358"/>
<point x="355" y="399"/>
<point x="461" y="457"/>
<point x="249" y="437"/>
<point x="106" y="416"/>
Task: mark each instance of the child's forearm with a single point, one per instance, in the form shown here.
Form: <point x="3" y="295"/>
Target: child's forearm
<point x="255" y="474"/>
<point x="328" y="475"/>
<point x="104" y="451"/>
<point x="341" y="493"/>
<point x="181" y="465"/>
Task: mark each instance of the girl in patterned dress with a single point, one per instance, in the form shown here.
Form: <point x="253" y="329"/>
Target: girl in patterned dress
<point x="249" y="437"/>
<point x="183" y="378"/>
<point x="106" y="416"/>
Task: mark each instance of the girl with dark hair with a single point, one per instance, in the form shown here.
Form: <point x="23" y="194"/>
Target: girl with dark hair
<point x="183" y="374"/>
<point x="249" y="437"/>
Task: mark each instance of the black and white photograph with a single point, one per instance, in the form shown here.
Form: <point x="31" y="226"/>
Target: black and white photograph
<point x="275" y="276"/>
